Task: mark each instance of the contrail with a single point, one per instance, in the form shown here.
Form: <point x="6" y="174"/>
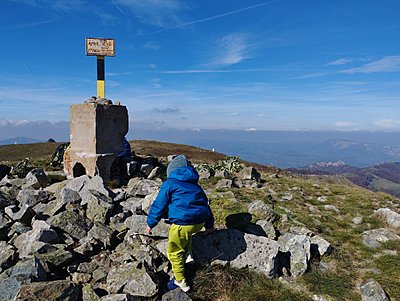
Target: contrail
<point x="233" y="12"/>
<point x="119" y="8"/>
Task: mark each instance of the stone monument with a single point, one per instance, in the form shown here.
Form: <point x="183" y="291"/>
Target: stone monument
<point x="96" y="133"/>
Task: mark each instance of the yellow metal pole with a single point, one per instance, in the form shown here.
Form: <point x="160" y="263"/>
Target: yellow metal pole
<point x="100" y="77"/>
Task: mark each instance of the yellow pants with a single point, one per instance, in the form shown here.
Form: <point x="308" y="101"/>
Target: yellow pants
<point x="179" y="243"/>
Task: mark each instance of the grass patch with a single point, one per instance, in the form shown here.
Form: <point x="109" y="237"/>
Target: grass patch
<point x="223" y="284"/>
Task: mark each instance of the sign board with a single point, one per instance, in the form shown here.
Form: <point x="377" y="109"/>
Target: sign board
<point x="100" y="47"/>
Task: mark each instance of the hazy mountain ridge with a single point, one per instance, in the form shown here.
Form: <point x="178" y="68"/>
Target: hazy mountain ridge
<point x="18" y="140"/>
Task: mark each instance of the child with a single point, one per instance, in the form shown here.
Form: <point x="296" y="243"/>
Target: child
<point x="188" y="211"/>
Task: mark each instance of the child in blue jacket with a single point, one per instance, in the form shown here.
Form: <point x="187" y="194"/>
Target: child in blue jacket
<point x="188" y="211"/>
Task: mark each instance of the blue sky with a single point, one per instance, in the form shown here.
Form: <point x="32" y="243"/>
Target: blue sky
<point x="207" y="64"/>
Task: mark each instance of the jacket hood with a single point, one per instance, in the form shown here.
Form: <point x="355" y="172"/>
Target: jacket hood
<point x="186" y="174"/>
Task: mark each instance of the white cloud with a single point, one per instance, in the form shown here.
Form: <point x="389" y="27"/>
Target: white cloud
<point x="343" y="124"/>
<point x="151" y="45"/>
<point x="387" y="123"/>
<point x="232" y="49"/>
<point x="251" y="130"/>
<point x="386" y="64"/>
<point x="338" y="62"/>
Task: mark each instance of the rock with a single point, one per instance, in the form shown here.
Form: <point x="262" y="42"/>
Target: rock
<point x="102" y="234"/>
<point x="31" y="197"/>
<point x="36" y="179"/>
<point x="372" y="291"/>
<point x="332" y="208"/>
<point x="260" y="210"/>
<point x="249" y="173"/>
<point x="66" y="196"/>
<point x="137" y="224"/>
<point x="391" y="217"/>
<point x="148" y="200"/>
<point x="84" y="183"/>
<point x="141" y="188"/>
<point x="237" y="249"/>
<point x="24" y="272"/>
<point x="7" y="256"/>
<point x="56" y="259"/>
<point x="72" y="223"/>
<point x="116" y="297"/>
<point x="296" y="250"/>
<point x="5" y="225"/>
<point x="50" y="290"/>
<point x="222" y="174"/>
<point x="155" y="173"/>
<point x="224" y="183"/>
<point x="146" y="169"/>
<point x="80" y="278"/>
<point x="117" y="221"/>
<point x="99" y="207"/>
<point x="374" y="238"/>
<point x="131" y="278"/>
<point x="287" y="197"/>
<point x="88" y="293"/>
<point x="23" y="215"/>
<point x="320" y="246"/>
<point x="176" y="295"/>
<point x="204" y="175"/>
<point x="357" y="220"/>
<point x="237" y="182"/>
<point x="132" y="205"/>
<point x="268" y="228"/>
<point x="41" y="232"/>
<point x="322" y="199"/>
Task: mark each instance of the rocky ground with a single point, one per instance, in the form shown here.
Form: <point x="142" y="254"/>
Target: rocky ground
<point x="77" y="239"/>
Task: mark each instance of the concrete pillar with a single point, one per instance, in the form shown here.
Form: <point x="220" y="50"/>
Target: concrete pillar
<point x="96" y="133"/>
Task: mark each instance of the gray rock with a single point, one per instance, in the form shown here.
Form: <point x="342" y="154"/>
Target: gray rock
<point x="117" y="221"/>
<point x="36" y="178"/>
<point x="5" y="225"/>
<point x="4" y="170"/>
<point x="224" y="183"/>
<point x="49" y="290"/>
<point x="88" y="293"/>
<point x="155" y="173"/>
<point x="238" y="221"/>
<point x="23" y="215"/>
<point x="374" y="238"/>
<point x="7" y="256"/>
<point x="84" y="184"/>
<point x="322" y="199"/>
<point x="131" y="278"/>
<point x="99" y="207"/>
<point x="132" y="205"/>
<point x="31" y="197"/>
<point x="24" y="272"/>
<point x="148" y="200"/>
<point x="137" y="224"/>
<point x="296" y="250"/>
<point x="72" y="223"/>
<point x="237" y="249"/>
<point x="331" y="208"/>
<point x="287" y="197"/>
<point x="146" y="169"/>
<point x="372" y="291"/>
<point x="268" y="228"/>
<point x="320" y="245"/>
<point x="260" y="210"/>
<point x="237" y="182"/>
<point x="102" y="234"/>
<point x="116" y="297"/>
<point x="391" y="217"/>
<point x="18" y="228"/>
<point x="222" y="174"/>
<point x="176" y="295"/>
<point x="56" y="259"/>
<point x="357" y="220"/>
<point x="204" y="175"/>
<point x="27" y="243"/>
<point x="249" y="173"/>
<point x="141" y="188"/>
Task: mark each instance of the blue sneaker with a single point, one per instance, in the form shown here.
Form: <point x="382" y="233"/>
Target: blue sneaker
<point x="174" y="284"/>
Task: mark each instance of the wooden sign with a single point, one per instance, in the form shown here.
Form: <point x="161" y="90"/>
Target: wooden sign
<point x="100" y="46"/>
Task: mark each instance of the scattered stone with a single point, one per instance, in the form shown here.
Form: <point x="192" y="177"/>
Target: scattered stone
<point x="116" y="297"/>
<point x="36" y="179"/>
<point x="224" y="183"/>
<point x="332" y="208"/>
<point x="147" y="201"/>
<point x="141" y="188"/>
<point x="176" y="295"/>
<point x="249" y="173"/>
<point x="260" y="210"/>
<point x="357" y="220"/>
<point x="296" y="253"/>
<point x="99" y="207"/>
<point x="137" y="224"/>
<point x="372" y="291"/>
<point x="268" y="228"/>
<point x="374" y="238"/>
<point x="49" y="290"/>
<point x="7" y="256"/>
<point x="88" y="293"/>
<point x="320" y="246"/>
<point x="322" y="199"/>
<point x="287" y="197"/>
<point x="23" y="215"/>
<point x="391" y="217"/>
<point x="222" y="174"/>
<point x="72" y="223"/>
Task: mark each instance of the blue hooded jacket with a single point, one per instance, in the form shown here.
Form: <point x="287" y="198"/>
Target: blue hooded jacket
<point x="183" y="198"/>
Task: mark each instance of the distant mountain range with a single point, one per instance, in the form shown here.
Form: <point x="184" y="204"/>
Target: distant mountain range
<point x="382" y="177"/>
<point x="18" y="140"/>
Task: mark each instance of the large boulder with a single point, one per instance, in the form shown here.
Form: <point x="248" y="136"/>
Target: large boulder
<point x="36" y="179"/>
<point x="32" y="197"/>
<point x="249" y="173"/>
<point x="23" y="214"/>
<point x="391" y="217"/>
<point x="372" y="291"/>
<point x="7" y="256"/>
<point x="261" y="210"/>
<point x="374" y="238"/>
<point x="64" y="290"/>
<point x="137" y="224"/>
<point x="238" y="249"/>
<point x="84" y="184"/>
<point x="131" y="278"/>
<point x="71" y="222"/>
<point x="99" y="207"/>
<point x="296" y="254"/>
<point x="141" y="188"/>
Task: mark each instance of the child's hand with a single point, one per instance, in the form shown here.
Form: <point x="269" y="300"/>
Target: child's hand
<point x="148" y="230"/>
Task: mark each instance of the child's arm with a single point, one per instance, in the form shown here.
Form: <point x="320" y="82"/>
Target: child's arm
<point x="159" y="206"/>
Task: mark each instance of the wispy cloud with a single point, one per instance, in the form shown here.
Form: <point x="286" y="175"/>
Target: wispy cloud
<point x="31" y="24"/>
<point x="232" y="49"/>
<point x="342" y="124"/>
<point x="342" y="61"/>
<point x="387" y="123"/>
<point x="189" y="71"/>
<point x="312" y="75"/>
<point x="151" y="45"/>
<point x="64" y="5"/>
<point x="386" y="64"/>
<point x="158" y="13"/>
<point x="166" y="110"/>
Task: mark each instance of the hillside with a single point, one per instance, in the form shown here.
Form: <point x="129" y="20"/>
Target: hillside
<point x="383" y="177"/>
<point x="321" y="208"/>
